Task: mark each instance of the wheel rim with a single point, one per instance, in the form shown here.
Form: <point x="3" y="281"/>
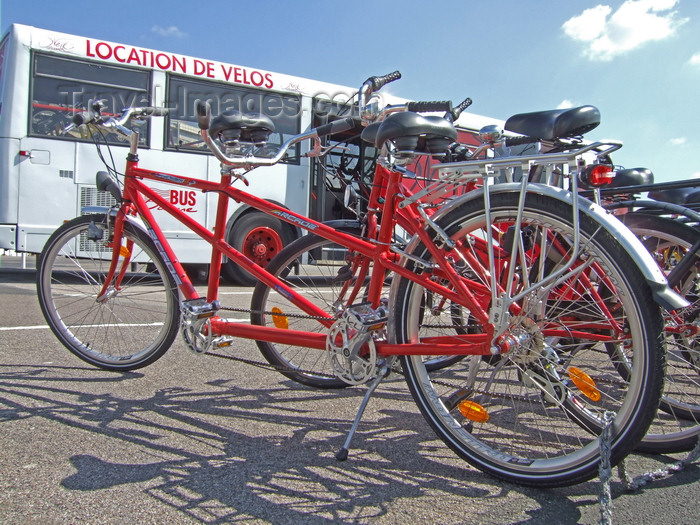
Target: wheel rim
<point x="262" y="244"/>
<point x="532" y="440"/>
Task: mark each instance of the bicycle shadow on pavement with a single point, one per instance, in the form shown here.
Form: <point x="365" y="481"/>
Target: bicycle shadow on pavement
<point x="234" y="452"/>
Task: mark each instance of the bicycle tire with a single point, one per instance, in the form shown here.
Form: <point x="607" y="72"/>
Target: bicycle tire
<point x="132" y="326"/>
<point x="541" y="431"/>
<point x="311" y="265"/>
<point x="677" y="423"/>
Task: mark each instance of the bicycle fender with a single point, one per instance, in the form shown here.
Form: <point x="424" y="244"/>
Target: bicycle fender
<point x="663" y="294"/>
<point x="104" y="210"/>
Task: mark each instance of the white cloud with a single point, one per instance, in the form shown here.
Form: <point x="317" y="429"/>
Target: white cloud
<point x="695" y="60"/>
<point x="168" y="31"/>
<point x="589" y="25"/>
<point x="677" y="141"/>
<point x="565" y="104"/>
<point x="607" y="34"/>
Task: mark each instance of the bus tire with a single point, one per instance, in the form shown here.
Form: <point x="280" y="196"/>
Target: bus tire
<point x="259" y="237"/>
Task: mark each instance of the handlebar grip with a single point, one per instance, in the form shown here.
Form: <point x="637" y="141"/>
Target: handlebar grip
<point x="154" y="111"/>
<point x="336" y="126"/>
<point x="203" y="114"/>
<point x="424" y="107"/>
<point x="457" y="111"/>
<point x="81" y="118"/>
<point x="378" y="82"/>
<point x="519" y="141"/>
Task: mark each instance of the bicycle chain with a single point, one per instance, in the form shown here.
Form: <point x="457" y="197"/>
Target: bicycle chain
<point x="293" y="316"/>
<point x="395" y="369"/>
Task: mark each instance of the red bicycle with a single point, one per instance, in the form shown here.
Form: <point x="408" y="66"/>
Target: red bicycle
<point x="511" y="373"/>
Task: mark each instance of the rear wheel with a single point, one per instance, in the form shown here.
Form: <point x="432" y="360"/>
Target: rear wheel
<point x="128" y="327"/>
<point x="533" y="414"/>
<point x="318" y="269"/>
<point x="677" y="424"/>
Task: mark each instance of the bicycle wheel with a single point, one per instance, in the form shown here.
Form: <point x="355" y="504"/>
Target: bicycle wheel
<point x="533" y="414"/>
<point x="320" y="270"/>
<point x="677" y="423"/>
<point x="134" y="323"/>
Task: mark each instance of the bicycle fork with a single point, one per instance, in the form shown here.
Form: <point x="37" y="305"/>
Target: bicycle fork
<point x="117" y="271"/>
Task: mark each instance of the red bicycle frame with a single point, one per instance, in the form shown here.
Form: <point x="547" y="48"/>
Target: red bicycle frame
<point x="378" y="252"/>
<point x="389" y="206"/>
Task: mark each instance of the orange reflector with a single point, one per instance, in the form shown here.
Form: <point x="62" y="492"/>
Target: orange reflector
<point x="124" y="251"/>
<point x="584" y="383"/>
<point x="473" y="411"/>
<point x="279" y="319"/>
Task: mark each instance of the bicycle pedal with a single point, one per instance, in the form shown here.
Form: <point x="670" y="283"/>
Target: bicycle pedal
<point x="362" y="317"/>
<point x="222" y="342"/>
<point x="199" y="308"/>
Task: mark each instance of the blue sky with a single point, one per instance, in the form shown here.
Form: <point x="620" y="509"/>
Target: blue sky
<point x="638" y="61"/>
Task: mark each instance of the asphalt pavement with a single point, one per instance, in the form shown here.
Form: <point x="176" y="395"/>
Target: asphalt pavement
<point x="204" y="439"/>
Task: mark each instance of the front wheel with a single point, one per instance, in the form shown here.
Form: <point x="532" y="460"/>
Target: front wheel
<point x="126" y="326"/>
<point x="533" y="414"/>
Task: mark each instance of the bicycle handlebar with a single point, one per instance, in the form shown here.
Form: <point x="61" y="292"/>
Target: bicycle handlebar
<point x="377" y="83"/>
<point x="204" y="118"/>
<point x="337" y="126"/>
<point x="153" y="111"/>
<point x="519" y="141"/>
<point x="457" y="111"/>
<point x="425" y="107"/>
<point x="203" y="115"/>
<point x="370" y="112"/>
<point x="87" y="117"/>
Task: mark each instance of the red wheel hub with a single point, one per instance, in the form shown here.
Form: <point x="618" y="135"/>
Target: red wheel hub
<point x="262" y="244"/>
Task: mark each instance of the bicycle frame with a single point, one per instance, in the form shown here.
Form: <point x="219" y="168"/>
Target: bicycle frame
<point x="397" y="205"/>
<point x="385" y="260"/>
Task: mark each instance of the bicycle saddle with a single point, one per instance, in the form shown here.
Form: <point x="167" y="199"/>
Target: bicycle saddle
<point x="412" y="133"/>
<point x="693" y="198"/>
<point x="555" y="123"/>
<point x="632" y="177"/>
<point x="234" y="126"/>
<point x="369" y="134"/>
<point x="680" y="196"/>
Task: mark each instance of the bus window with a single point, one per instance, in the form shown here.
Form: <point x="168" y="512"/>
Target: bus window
<point x="183" y="93"/>
<point x="62" y="87"/>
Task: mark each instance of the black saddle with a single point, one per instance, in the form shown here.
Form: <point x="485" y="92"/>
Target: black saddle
<point x="411" y="132"/>
<point x="234" y="126"/>
<point x="632" y="177"/>
<point x="555" y="123"/>
<point x="682" y="196"/>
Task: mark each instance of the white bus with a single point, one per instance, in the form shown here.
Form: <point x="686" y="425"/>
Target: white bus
<point x="47" y="177"/>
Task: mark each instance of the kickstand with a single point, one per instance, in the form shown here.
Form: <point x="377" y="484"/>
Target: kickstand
<point x="342" y="454"/>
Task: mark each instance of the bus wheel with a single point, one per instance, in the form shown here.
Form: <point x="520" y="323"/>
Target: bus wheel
<point x="259" y="237"/>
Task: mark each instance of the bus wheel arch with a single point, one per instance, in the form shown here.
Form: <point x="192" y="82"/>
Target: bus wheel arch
<point x="259" y="237"/>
